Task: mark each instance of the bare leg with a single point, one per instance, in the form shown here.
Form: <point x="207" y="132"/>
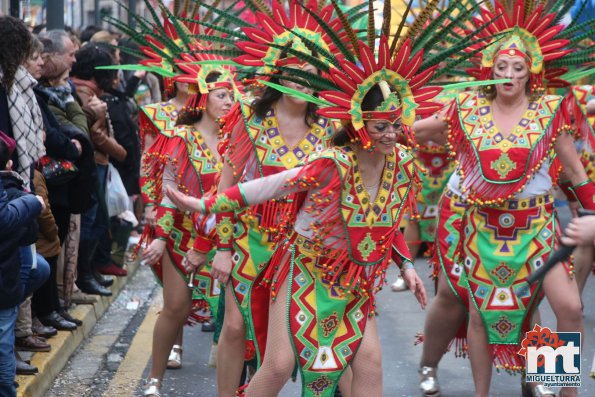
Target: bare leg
<point x="479" y="353"/>
<point x="180" y="337"/>
<point x="583" y="261"/>
<point x="174" y="360"/>
<point x="445" y="316"/>
<point x="177" y="303"/>
<point x="231" y="347"/>
<point x="345" y="382"/>
<point x="276" y="368"/>
<point x="563" y="295"/>
<point x="412" y="236"/>
<point x="367" y="364"/>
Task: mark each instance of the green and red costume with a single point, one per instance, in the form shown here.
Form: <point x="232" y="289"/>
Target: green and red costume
<point x="336" y="261"/>
<point x="257" y="149"/>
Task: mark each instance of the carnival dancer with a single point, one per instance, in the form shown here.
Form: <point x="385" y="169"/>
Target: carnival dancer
<point x="189" y="131"/>
<point x="577" y="99"/>
<point x="343" y="231"/>
<point x="155" y="119"/>
<point x="497" y="223"/>
<point x="272" y="134"/>
<point x="188" y="160"/>
<point x="434" y="160"/>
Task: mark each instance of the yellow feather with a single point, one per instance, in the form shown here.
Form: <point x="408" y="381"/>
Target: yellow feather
<point x="419" y="21"/>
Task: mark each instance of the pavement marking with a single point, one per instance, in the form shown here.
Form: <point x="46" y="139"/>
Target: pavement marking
<point x="125" y="380"/>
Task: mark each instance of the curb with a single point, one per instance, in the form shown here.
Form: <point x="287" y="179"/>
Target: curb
<point x="65" y="343"/>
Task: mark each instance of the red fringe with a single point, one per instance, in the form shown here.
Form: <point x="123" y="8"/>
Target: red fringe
<point x="479" y="191"/>
<point x="505" y="357"/>
<point x="194" y="318"/>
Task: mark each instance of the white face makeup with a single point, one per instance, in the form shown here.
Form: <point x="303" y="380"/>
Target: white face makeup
<point x="514" y="68"/>
<point x="384" y="135"/>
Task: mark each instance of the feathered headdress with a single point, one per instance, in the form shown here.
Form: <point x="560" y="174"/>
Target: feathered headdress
<point x="174" y="44"/>
<point x="524" y="28"/>
<point x="403" y="66"/>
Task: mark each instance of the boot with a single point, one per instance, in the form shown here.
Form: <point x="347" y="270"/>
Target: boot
<point x="102" y="280"/>
<point x="86" y="281"/>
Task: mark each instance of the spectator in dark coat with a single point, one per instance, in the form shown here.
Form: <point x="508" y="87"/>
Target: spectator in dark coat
<point x="15" y="279"/>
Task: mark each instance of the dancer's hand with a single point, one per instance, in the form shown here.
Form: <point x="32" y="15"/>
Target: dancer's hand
<point x="580" y="231"/>
<point x="221" y="266"/>
<point x="193" y="261"/>
<point x="416" y="286"/>
<point x="154" y="251"/>
<point x="151" y="215"/>
<point x="574" y="206"/>
<point x="182" y="201"/>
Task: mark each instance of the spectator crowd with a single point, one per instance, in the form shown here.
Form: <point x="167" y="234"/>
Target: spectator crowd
<point x="68" y="134"/>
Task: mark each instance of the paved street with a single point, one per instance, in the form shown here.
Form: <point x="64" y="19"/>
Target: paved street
<point x="117" y="354"/>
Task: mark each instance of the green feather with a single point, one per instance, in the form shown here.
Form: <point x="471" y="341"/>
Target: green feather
<point x="577" y="74"/>
<point x="402" y="24"/>
<point x="135" y="67"/>
<point x="435" y="59"/>
<point x="467" y="84"/>
<point x="571" y="60"/>
<point x="228" y="16"/>
<point x="297" y="94"/>
<point x="461" y="62"/>
<point x="230" y="53"/>
<point x="333" y="36"/>
<point x="230" y="32"/>
<point x="229" y="10"/>
<point x="577" y="15"/>
<point x="434" y="33"/>
<point x="298" y="76"/>
<point x="259" y="5"/>
<point x="226" y="62"/>
<point x="356" y="12"/>
<point x="560" y="12"/>
<point x="215" y="39"/>
<point x="330" y="57"/>
<point x="569" y="33"/>
<point x="346" y="25"/>
<point x="209" y="13"/>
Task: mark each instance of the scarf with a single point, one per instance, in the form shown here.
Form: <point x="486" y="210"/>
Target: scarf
<point x="58" y="96"/>
<point x="27" y="123"/>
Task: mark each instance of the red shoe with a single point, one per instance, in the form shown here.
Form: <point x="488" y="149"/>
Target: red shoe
<point x="113" y="270"/>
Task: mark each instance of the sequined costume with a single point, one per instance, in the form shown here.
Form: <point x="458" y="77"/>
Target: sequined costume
<point x="251" y="234"/>
<point x="336" y="255"/>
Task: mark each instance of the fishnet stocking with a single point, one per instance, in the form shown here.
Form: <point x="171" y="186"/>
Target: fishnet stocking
<point x="279" y="360"/>
<point x="367" y="364"/>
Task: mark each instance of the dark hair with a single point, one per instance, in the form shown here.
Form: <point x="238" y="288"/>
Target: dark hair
<point x="270" y="95"/>
<point x="4" y="155"/>
<point x="88" y="32"/>
<point x="87" y="59"/>
<point x="189" y="117"/>
<point x="15" y="48"/>
<point x="371" y="101"/>
<point x="106" y="47"/>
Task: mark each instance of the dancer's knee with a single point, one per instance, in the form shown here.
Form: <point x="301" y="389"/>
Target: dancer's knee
<point x="234" y="327"/>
